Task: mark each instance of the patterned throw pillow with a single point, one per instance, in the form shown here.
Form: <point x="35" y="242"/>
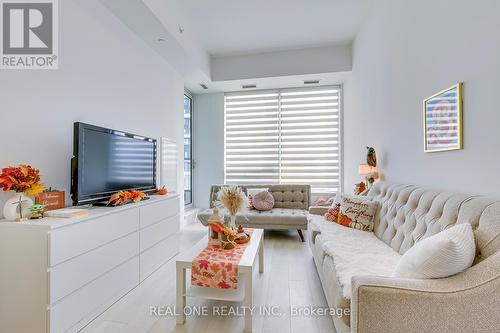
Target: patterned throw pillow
<point x="333" y="213"/>
<point x="263" y="201"/>
<point x="357" y="213"/>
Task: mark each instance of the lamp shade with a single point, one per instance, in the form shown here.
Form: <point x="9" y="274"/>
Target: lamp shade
<point x="365" y="170"/>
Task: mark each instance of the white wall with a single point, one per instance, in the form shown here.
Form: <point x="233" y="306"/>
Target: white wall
<point x="330" y="59"/>
<point x="208" y="146"/>
<point x="153" y="19"/>
<point x="407" y="51"/>
<point x="107" y="76"/>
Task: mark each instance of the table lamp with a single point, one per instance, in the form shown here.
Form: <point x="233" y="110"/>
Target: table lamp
<point x="370" y="173"/>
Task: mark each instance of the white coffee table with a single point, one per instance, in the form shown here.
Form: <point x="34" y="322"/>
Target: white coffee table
<point x="245" y="271"/>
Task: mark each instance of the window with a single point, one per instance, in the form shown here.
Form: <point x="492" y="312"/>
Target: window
<point x="188" y="149"/>
<point x="287" y="136"/>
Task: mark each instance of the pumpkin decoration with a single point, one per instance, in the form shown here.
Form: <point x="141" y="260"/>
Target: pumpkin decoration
<point x="344" y="220"/>
<point x="162" y="191"/>
<point x="241" y="236"/>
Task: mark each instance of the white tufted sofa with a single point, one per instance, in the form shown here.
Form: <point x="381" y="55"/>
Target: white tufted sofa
<point x="355" y="267"/>
<point x="291" y="203"/>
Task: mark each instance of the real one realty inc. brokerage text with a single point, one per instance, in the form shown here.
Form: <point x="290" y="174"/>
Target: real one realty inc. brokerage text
<point x="239" y="311"/>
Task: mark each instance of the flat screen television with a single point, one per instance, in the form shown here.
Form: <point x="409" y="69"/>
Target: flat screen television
<point x="106" y="161"/>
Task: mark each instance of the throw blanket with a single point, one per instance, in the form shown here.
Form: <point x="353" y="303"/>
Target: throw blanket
<point x="217" y="268"/>
<point x="354" y="252"/>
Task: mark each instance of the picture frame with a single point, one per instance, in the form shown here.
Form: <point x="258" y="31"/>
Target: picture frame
<point x="443" y="120"/>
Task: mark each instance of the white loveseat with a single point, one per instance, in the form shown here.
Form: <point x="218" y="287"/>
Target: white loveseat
<point x="291" y="203"/>
<point x="355" y="267"/>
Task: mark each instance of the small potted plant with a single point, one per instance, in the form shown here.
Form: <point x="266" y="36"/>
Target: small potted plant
<point x="24" y="181"/>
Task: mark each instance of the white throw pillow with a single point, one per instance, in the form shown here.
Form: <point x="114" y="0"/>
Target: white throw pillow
<point x="336" y="200"/>
<point x="444" y="254"/>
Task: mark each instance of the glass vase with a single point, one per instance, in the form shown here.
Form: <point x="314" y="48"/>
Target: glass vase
<point x="232" y="222"/>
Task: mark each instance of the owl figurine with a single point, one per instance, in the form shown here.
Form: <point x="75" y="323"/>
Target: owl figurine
<point x="371" y="157"/>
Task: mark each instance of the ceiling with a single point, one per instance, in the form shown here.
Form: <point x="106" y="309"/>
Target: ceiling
<point x="270" y="43"/>
<point x="236" y="27"/>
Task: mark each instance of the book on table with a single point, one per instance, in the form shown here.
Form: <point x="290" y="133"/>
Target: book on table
<point x="68" y="212"/>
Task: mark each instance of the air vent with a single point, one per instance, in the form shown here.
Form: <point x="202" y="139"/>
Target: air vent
<point x="311" y="82"/>
<point x="203" y="86"/>
<point x="249" y="86"/>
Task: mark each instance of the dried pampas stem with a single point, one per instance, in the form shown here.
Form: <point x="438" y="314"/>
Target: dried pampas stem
<point x="232" y="199"/>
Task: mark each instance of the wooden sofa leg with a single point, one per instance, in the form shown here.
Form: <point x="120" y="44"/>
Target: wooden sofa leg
<point x="301" y="234"/>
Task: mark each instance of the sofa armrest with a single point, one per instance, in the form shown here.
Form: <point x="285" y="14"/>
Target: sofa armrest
<point x="318" y="210"/>
<point x="466" y="302"/>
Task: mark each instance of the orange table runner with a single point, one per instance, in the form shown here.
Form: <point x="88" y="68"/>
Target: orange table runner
<point x="217" y="268"/>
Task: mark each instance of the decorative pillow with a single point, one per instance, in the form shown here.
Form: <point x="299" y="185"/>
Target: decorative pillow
<point x="357" y="212"/>
<point x="324" y="202"/>
<point x="446" y="253"/>
<point x="263" y="201"/>
<point x="253" y="191"/>
<point x="333" y="213"/>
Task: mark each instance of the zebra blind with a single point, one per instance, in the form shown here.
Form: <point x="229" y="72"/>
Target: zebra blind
<point x="168" y="164"/>
<point x="288" y="136"/>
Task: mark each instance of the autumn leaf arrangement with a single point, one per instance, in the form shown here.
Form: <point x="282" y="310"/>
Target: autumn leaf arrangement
<point x="22" y="179"/>
<point x="124" y="197"/>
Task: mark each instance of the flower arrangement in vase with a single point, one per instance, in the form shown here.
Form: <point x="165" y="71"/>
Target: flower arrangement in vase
<point x="232" y="199"/>
<point x="25" y="181"/>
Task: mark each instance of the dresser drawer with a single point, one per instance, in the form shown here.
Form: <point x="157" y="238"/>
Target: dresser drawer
<point x="158" y="231"/>
<point x="76" y="310"/>
<point x="158" y="211"/>
<point x="71" y="275"/>
<point x="159" y="254"/>
<point x="71" y="241"/>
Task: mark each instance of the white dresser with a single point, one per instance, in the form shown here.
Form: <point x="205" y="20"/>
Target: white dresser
<point x="57" y="275"/>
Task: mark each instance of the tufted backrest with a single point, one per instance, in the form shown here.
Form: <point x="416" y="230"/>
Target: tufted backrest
<point x="285" y="196"/>
<point x="407" y="214"/>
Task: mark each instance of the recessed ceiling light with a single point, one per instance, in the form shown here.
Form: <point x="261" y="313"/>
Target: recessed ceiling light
<point x="161" y="40"/>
